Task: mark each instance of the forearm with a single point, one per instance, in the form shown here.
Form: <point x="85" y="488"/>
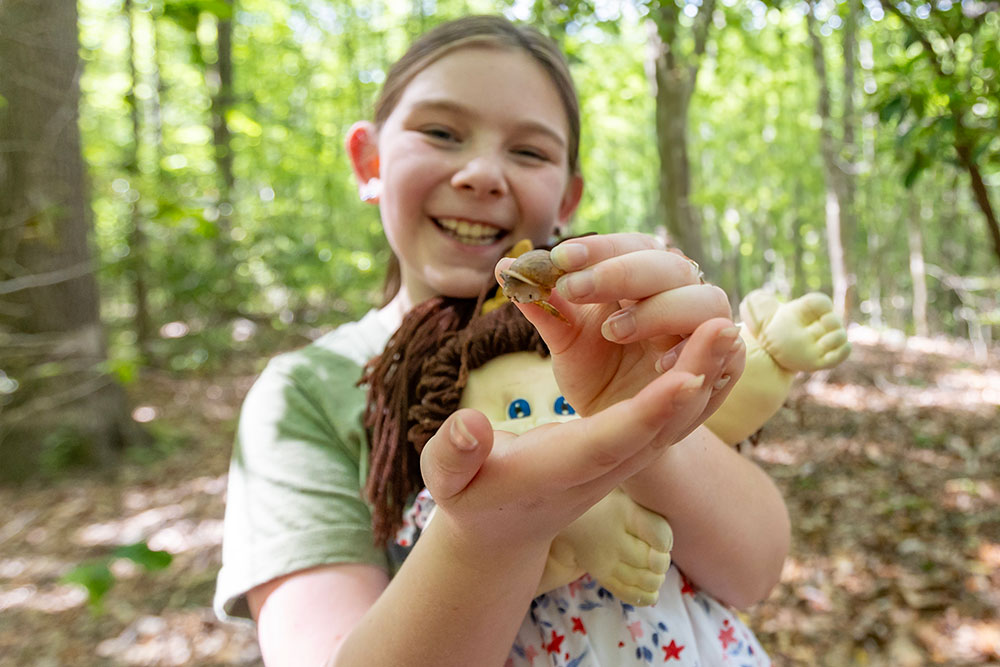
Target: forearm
<point x="452" y="603"/>
<point x="730" y="524"/>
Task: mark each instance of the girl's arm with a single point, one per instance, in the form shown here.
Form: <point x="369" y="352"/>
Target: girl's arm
<point x="462" y="593"/>
<point x="730" y="524"/>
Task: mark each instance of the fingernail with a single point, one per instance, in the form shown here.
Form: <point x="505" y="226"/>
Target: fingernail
<point x="691" y="386"/>
<point x="619" y="326"/>
<point x="461" y="436"/>
<point x="576" y="285"/>
<point x="724" y="339"/>
<point x="569" y="256"/>
<point x="667" y="361"/>
<point x="721" y="382"/>
<point x="737" y="344"/>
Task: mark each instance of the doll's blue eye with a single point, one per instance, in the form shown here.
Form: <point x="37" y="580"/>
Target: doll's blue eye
<point x="519" y="408"/>
<point x="563" y="408"/>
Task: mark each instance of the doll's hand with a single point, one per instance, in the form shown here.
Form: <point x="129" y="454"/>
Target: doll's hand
<point x="624" y="546"/>
<point x="801" y="335"/>
<point x="781" y="339"/>
<point x="630" y="303"/>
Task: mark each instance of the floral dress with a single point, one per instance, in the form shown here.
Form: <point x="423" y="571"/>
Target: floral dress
<point x="583" y="624"/>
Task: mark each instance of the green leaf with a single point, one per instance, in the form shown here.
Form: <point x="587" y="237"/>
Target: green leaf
<point x="94" y="576"/>
<point x="140" y="554"/>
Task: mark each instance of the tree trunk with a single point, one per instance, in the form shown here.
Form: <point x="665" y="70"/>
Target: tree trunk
<point x="222" y="99"/>
<point x="918" y="274"/>
<point x="64" y="404"/>
<point x="836" y="188"/>
<point x="674" y="78"/>
<point x="137" y="235"/>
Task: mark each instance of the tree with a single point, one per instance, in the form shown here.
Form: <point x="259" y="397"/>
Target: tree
<point x="840" y="182"/>
<point x="58" y="401"/>
<point x="676" y="55"/>
<point x="945" y="96"/>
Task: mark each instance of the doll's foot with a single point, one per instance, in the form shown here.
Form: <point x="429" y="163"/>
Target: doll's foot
<point x="801" y="335"/>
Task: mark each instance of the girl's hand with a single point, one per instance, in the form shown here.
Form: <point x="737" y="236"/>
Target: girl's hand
<point x="632" y="307"/>
<point x="500" y="490"/>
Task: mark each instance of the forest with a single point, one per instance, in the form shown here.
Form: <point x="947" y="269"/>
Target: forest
<point x="177" y="207"/>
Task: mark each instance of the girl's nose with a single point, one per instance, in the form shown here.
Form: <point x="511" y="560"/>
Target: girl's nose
<point x="482" y="176"/>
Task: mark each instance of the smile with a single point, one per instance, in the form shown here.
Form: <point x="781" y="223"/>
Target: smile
<point x="470" y="233"/>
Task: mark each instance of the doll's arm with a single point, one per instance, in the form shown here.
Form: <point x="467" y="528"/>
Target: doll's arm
<point x="624" y="546"/>
<point x="781" y="339"/>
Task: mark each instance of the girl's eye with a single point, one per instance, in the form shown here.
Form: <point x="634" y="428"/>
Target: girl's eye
<point x="439" y="133"/>
<point x="519" y="408"/>
<point x="563" y="408"/>
<point x="532" y="154"/>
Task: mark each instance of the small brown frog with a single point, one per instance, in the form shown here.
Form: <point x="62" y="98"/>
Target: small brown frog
<point x="530" y="279"/>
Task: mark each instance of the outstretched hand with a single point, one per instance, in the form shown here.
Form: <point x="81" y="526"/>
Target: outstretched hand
<point x="505" y="488"/>
<point x="632" y="306"/>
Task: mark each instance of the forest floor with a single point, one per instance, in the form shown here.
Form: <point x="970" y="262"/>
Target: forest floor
<point x="890" y="465"/>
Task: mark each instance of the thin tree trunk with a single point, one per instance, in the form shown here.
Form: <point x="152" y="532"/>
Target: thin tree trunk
<point x="674" y="78"/>
<point x="222" y="101"/>
<point x="835" y="188"/>
<point x="918" y="273"/>
<point x="137" y="236"/>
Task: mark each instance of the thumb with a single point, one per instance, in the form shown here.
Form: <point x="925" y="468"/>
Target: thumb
<point x="453" y="455"/>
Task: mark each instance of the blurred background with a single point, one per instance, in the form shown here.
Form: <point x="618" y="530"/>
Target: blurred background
<point x="176" y="207"/>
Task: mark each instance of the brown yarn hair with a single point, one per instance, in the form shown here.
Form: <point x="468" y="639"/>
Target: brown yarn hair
<point x="478" y="31"/>
<point x="417" y="382"/>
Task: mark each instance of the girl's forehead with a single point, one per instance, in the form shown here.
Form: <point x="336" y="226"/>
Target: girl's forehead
<point x="490" y="78"/>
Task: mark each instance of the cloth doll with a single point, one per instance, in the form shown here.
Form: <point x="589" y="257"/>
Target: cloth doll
<point x="608" y="594"/>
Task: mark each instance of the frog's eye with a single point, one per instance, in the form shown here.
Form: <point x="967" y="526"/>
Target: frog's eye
<point x="519" y="408"/>
<point x="562" y="407"/>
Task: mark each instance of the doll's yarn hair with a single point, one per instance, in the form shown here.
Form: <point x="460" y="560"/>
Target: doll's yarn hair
<point x="417" y="382"/>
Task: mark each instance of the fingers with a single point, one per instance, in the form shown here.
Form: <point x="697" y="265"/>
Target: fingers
<point x="635" y="275"/>
<point x="590" y="452"/>
<point x="672" y="312"/>
<point x="578" y="253"/>
<point x="453" y="456"/>
<point x="651" y="529"/>
<point x="716" y="351"/>
<point x="636" y="587"/>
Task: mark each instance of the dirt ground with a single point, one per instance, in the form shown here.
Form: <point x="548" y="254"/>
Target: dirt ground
<point x="890" y="465"/>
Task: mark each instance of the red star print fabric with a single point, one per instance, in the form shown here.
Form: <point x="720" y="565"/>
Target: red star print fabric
<point x="584" y="625"/>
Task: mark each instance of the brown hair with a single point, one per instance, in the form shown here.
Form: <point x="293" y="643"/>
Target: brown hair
<point x="488" y="31"/>
<point x="417" y="382"/>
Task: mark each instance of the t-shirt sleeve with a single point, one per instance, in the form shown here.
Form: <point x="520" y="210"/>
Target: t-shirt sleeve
<point x="296" y="477"/>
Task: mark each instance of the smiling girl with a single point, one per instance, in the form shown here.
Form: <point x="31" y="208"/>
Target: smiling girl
<point x="474" y="147"/>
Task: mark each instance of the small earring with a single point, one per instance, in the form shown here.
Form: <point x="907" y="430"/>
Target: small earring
<point x="370" y="190"/>
<point x="557" y="235"/>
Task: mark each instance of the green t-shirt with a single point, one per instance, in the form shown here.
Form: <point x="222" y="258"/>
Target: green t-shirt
<point x="299" y="464"/>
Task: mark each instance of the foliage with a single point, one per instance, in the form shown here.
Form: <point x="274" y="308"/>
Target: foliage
<point x="293" y="251"/>
<point x="96" y="577"/>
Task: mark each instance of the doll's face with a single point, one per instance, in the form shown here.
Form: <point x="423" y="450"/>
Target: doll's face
<point x="517" y="392"/>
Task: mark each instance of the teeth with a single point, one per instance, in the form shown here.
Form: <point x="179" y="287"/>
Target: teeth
<point x="473" y="233"/>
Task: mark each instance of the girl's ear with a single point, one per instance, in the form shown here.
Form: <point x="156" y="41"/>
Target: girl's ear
<point x="362" y="148"/>
<point x="571" y="199"/>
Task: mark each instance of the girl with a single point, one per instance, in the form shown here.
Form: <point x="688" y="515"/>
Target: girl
<point x="497" y="363"/>
<point x="474" y="145"/>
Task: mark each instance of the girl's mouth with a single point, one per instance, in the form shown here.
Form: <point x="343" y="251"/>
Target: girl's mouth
<point x="470" y="233"/>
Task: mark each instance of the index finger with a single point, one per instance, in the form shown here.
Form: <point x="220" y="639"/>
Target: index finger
<point x="584" y="251"/>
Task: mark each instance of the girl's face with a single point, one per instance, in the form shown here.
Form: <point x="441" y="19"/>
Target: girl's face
<point x="517" y="392"/>
<point x="472" y="159"/>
